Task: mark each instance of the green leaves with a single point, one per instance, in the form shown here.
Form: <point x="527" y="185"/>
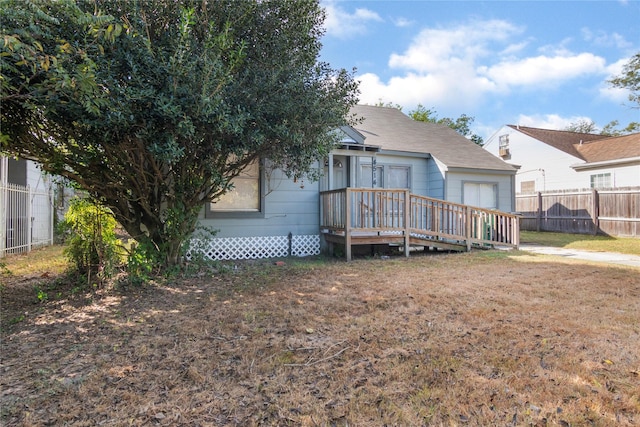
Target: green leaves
<point x="144" y="104"/>
<point x="462" y="124"/>
<point x="630" y="79"/>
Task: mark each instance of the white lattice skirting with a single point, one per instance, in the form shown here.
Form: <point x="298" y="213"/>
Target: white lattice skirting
<point x="228" y="248"/>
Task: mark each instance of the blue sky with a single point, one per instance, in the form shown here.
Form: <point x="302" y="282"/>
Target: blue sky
<point x="534" y="63"/>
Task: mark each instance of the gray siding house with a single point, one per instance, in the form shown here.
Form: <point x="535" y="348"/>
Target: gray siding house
<point x="268" y="215"/>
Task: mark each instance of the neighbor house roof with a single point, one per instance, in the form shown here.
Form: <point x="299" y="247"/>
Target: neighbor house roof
<point x="592" y="148"/>
<point x="565" y="141"/>
<point x="613" y="148"/>
<point x="393" y="130"/>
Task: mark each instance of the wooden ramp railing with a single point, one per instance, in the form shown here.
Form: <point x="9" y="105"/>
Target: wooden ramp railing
<point x="358" y="216"/>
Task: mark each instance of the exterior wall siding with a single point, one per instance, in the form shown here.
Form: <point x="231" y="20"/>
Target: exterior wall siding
<point x="621" y="176"/>
<point x="290" y="207"/>
<point x="549" y="167"/>
<point x="456" y="180"/>
<point x="435" y="179"/>
<point x="36" y="179"/>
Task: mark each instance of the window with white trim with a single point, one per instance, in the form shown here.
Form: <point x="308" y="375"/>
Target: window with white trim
<point x="503" y="145"/>
<point x="601" y="180"/>
<point x="480" y="194"/>
<point x="244" y="196"/>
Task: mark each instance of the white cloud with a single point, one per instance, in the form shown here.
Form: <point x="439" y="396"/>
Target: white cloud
<point x="459" y="66"/>
<point x="436" y="50"/>
<point x="615" y="68"/>
<point x="439" y="67"/>
<point x="402" y="22"/>
<point x="543" y="70"/>
<point x="601" y="38"/>
<point x="614" y="94"/>
<point x="342" y="24"/>
<point x="457" y="89"/>
<point x="513" y="48"/>
<point x="550" y="121"/>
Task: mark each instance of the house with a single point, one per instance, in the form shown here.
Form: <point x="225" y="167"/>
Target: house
<point x="268" y="215"/>
<point x="26" y="206"/>
<point x="549" y="160"/>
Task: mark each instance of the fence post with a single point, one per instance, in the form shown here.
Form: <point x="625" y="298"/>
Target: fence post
<point x="595" y="210"/>
<point x="29" y="218"/>
<point x="3" y="218"/>
<point x="539" y="214"/>
<point x="52" y="205"/>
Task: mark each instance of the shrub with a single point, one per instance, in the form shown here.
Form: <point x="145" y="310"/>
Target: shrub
<point x="92" y="245"/>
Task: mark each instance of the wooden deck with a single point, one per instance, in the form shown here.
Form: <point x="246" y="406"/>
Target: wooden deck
<point x="365" y="216"/>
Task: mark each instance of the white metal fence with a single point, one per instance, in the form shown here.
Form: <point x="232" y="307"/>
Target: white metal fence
<point x="26" y="218"/>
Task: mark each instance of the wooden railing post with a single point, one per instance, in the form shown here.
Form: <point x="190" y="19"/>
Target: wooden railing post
<point x="407" y="222"/>
<point x="467" y="226"/>
<point x="347" y="225"/>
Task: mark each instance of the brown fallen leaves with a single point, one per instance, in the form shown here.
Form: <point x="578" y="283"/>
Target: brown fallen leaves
<point x="464" y="339"/>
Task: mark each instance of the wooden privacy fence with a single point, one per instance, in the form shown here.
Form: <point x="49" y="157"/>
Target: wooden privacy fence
<point x="614" y="212"/>
<point x="364" y="216"/>
<point x="26" y="218"/>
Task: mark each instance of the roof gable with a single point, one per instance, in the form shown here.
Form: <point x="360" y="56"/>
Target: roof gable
<point x="350" y="135"/>
<point x="393" y="130"/>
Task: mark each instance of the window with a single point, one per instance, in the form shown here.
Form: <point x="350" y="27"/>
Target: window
<point x="503" y="146"/>
<point x="528" y="187"/>
<point x="481" y="195"/>
<point x="387" y="176"/>
<point x="398" y="176"/>
<point x="366" y="178"/>
<point x="601" y="180"/>
<point x="245" y="196"/>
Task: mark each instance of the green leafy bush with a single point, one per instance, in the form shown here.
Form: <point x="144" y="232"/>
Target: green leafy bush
<point x="92" y="245"/>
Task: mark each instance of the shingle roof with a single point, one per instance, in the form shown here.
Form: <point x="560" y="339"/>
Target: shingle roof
<point x="613" y="148"/>
<point x="565" y="141"/>
<point x="393" y="130"/>
<point x="587" y="146"/>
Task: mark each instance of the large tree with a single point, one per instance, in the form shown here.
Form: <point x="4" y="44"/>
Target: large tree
<point x="630" y="79"/>
<point x="162" y="103"/>
<point x="461" y="124"/>
<point x="422" y="114"/>
<point x="610" y="129"/>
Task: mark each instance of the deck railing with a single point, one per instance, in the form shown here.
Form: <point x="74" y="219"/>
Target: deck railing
<point x="359" y="211"/>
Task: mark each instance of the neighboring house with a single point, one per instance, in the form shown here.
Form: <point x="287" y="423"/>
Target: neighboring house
<point x="549" y="160"/>
<point x="269" y="215"/>
<point x="26" y="206"/>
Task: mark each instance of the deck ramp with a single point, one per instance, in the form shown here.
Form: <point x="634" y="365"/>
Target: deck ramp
<point x="364" y="216"/>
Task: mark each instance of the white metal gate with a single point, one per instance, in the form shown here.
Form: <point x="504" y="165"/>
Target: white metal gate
<point x="26" y="218"/>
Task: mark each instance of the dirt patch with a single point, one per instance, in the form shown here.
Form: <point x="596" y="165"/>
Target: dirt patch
<point x="486" y="338"/>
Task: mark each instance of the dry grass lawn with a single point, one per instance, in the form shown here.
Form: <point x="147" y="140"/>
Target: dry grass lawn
<point x="483" y="338"/>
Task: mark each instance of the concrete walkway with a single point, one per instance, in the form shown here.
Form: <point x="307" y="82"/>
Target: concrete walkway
<point x="604" y="257"/>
